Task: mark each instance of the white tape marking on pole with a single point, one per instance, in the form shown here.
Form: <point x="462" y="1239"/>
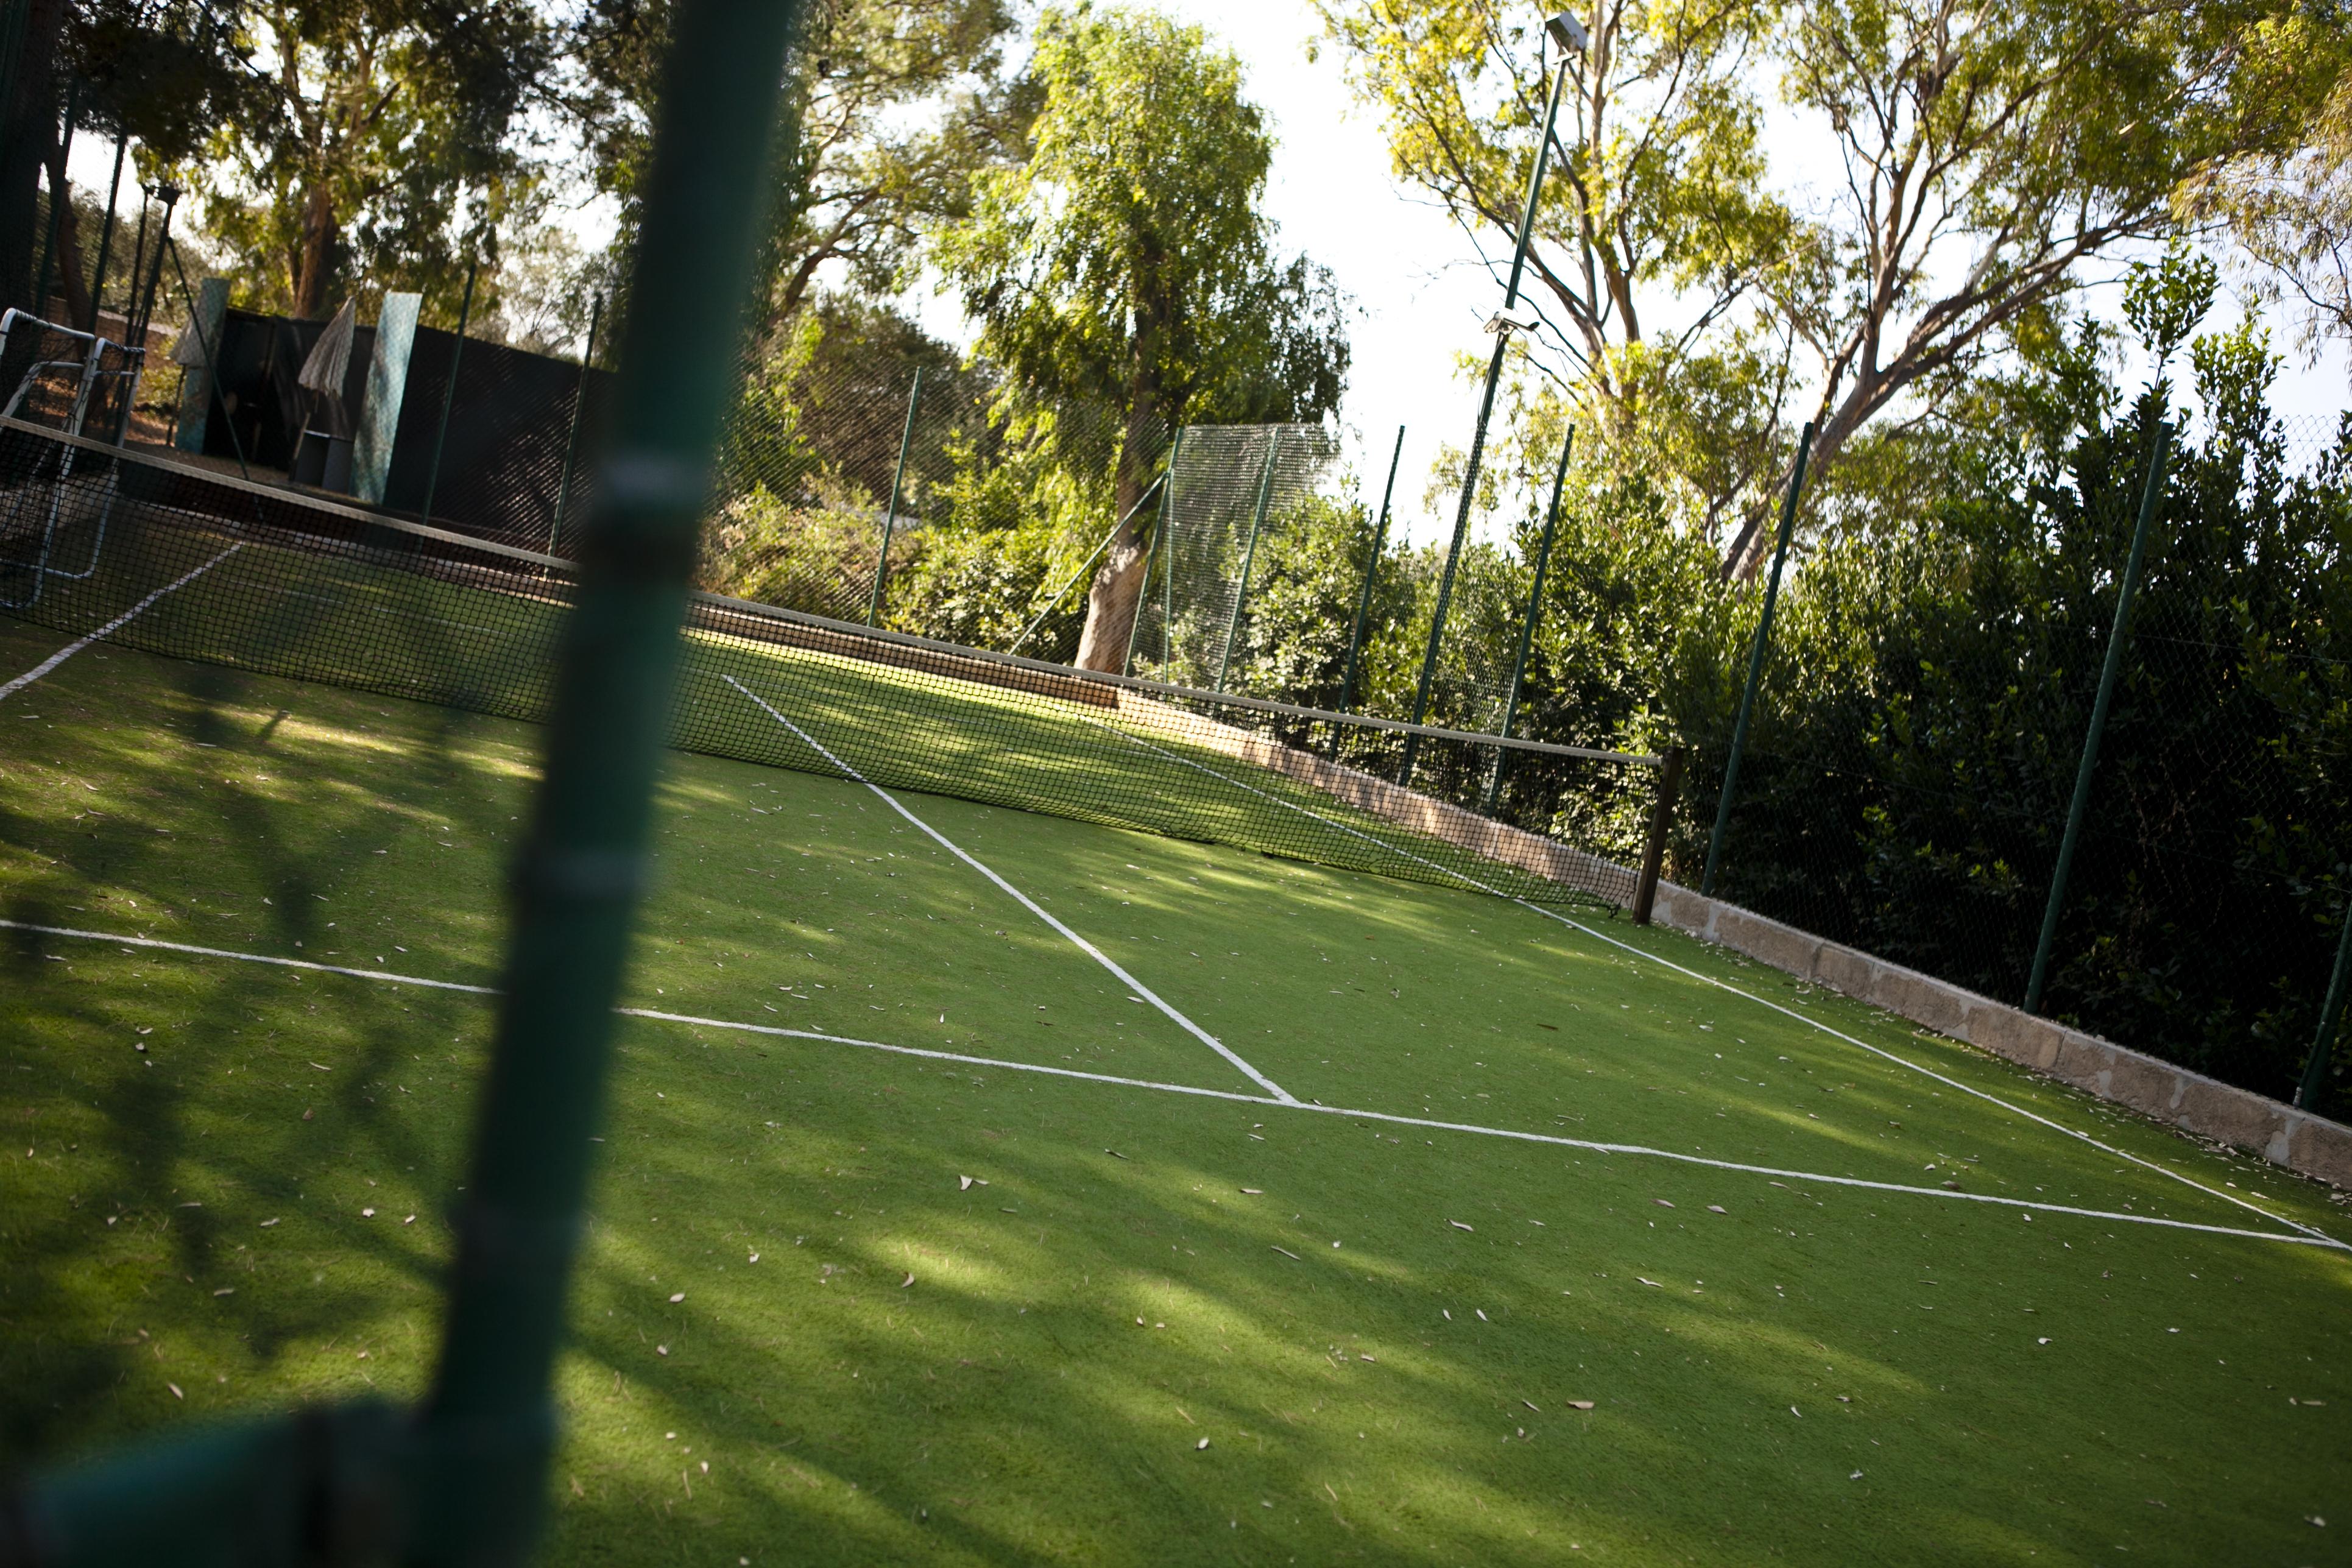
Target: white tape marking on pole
<point x="1724" y="985"/>
<point x="71" y="648"/>
<point x="1640" y="1151"/>
<point x="1089" y="949"/>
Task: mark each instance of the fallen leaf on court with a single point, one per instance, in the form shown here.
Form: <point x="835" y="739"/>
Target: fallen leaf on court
<point x="1855" y="1477"/>
<point x="367" y="1213"/>
<point x="1482" y="1314"/>
<point x="1651" y="1283"/>
<point x="661" y="1349"/>
<point x="1255" y="1192"/>
<point x="1797" y="1412"/>
<point x="1532" y="1406"/>
<point x="1662" y="1202"/>
<point x="909" y="1279"/>
<point x="2042" y="1341"/>
<point x="1114" y="1153"/>
<point x="1287" y="1252"/>
<point x="1580" y="1405"/>
<point x="1459" y="1226"/>
<point x="963" y="1184"/>
<point x="674" y="1300"/>
<point x="1717" y="1208"/>
<point x="177" y="1394"/>
<point x="1201" y="1444"/>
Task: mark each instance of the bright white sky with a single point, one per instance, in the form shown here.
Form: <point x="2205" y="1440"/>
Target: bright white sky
<point x="1414" y="276"/>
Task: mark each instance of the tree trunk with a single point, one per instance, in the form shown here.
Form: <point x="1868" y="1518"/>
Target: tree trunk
<point x="66" y="270"/>
<point x="31" y="132"/>
<point x="1112" y="598"/>
<point x="311" y="278"/>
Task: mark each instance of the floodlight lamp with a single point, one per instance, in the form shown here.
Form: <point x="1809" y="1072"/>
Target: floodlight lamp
<point x="1567" y="33"/>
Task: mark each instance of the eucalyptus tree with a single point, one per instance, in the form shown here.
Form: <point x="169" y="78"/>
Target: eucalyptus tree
<point x="1126" y="263"/>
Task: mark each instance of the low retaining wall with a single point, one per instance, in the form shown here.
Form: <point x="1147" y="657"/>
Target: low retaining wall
<point x="2207" y="1107"/>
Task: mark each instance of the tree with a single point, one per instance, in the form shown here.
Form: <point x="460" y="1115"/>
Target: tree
<point x="896" y="106"/>
<point x="1125" y="264"/>
<point x="363" y="121"/>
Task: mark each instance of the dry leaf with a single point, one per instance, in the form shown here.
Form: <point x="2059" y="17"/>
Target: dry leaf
<point x="1459" y="1226"/>
<point x="674" y="1300"/>
<point x="963" y="1184"/>
<point x="1651" y="1283"/>
<point x="1201" y="1445"/>
<point x="1255" y="1192"/>
<point x="1287" y="1252"/>
<point x="909" y="1279"/>
<point x="1580" y="1405"/>
<point x="1717" y="1208"/>
<point x="1662" y="1202"/>
<point x="1532" y="1406"/>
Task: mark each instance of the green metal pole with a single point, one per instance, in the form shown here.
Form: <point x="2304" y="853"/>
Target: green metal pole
<point x="1364" y="597"/>
<point x="1478" y="432"/>
<point x="571" y="441"/>
<point x="1249" y="556"/>
<point x="2151" y="496"/>
<point x="1755" y="663"/>
<point x="890" y="517"/>
<point x="1527" y="621"/>
<point x="488" y="1425"/>
<point x="449" y="392"/>
<point x="1151" y="550"/>
<point x="2330" y="1011"/>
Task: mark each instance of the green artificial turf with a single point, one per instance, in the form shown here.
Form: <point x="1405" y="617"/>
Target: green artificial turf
<point x="1812" y="1373"/>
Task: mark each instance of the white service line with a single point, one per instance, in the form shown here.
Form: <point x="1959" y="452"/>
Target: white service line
<point x="1724" y="985"/>
<point x="19" y="683"/>
<point x="1089" y="949"/>
<point x="1553" y="1140"/>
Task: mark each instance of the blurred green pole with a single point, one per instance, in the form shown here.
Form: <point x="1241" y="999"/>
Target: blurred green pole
<point x="488" y="1425"/>
<point x="2151" y="495"/>
<point x="1479" y="431"/>
<point x="449" y="392"/>
<point x="2306" y="1097"/>
<point x="1249" y="556"/>
<point x="1755" y="663"/>
<point x="1364" y="597"/>
<point x="571" y="441"/>
<point x="1159" y="527"/>
<point x="890" y="517"/>
<point x="1527" y="621"/>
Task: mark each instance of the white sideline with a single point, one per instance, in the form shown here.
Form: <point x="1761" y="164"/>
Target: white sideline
<point x="1726" y="985"/>
<point x="1553" y="1139"/>
<point x="74" y="646"/>
<point x="1089" y="949"/>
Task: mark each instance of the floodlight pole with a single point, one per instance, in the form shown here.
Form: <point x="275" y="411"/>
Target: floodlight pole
<point x="1527" y="621"/>
<point x="449" y="391"/>
<point x="890" y="517"/>
<point x="2150" y="495"/>
<point x="1152" y="548"/>
<point x="1249" y="556"/>
<point x="571" y="441"/>
<point x="1364" y="598"/>
<point x="1755" y="665"/>
<point x="2314" y="1070"/>
<point x="1487" y="405"/>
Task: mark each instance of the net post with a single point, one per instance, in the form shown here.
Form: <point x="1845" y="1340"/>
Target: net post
<point x="449" y="393"/>
<point x="488" y="1427"/>
<point x="891" y="516"/>
<point x="2079" y="808"/>
<point x="1249" y="556"/>
<point x="1527" y="620"/>
<point x="571" y="441"/>
<point x="1756" y="664"/>
<point x="1364" y="597"/>
<point x="2314" y="1069"/>
<point x="1661" y="821"/>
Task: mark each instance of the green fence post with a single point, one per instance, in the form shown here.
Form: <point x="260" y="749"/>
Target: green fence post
<point x="1151" y="550"/>
<point x="1364" y="597"/>
<point x="571" y="441"/>
<point x="449" y="393"/>
<point x="2150" y="497"/>
<point x="2306" y="1097"/>
<point x="489" y="1424"/>
<point x="890" y="517"/>
<point x="1249" y="556"/>
<point x="1527" y="621"/>
<point x="1755" y="663"/>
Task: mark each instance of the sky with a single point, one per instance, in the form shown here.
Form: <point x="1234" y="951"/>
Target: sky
<point x="1419" y="292"/>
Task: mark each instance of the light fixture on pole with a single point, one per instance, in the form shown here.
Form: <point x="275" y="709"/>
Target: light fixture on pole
<point x="1568" y="34"/>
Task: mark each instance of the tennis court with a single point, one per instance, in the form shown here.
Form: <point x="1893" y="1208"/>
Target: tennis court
<point x="989" y="1185"/>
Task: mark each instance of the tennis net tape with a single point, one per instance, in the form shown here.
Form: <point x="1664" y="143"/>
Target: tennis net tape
<point x="279" y="583"/>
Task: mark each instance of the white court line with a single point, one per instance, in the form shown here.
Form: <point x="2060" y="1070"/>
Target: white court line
<point x="71" y="648"/>
<point x="1553" y="1139"/>
<point x="1089" y="949"/>
<point x="1724" y="985"/>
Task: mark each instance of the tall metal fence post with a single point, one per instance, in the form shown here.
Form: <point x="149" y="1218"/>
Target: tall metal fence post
<point x="2314" y="1069"/>
<point x="1249" y="556"/>
<point x="1479" y="431"/>
<point x="1152" y="548"/>
<point x="2151" y="496"/>
<point x="1662" y="822"/>
<point x="487" y="1426"/>
<point x="1528" y="622"/>
<point x="449" y="392"/>
<point x="1364" y="597"/>
<point x="1756" y="664"/>
<point x="572" y="440"/>
<point x="890" y="517"/>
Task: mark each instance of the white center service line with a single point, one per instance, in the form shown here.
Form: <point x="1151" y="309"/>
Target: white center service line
<point x="19" y="683"/>
<point x="1089" y="949"/>
<point x="1835" y="1033"/>
<point x="1550" y="1139"/>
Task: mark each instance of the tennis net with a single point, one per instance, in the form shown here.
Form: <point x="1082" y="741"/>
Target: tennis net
<point x="190" y="564"/>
